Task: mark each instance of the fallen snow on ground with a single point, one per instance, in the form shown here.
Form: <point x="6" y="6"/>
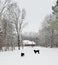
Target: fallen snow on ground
<point x="47" y="56"/>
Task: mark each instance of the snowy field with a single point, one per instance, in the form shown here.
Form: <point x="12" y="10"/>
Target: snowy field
<point x="47" y="56"/>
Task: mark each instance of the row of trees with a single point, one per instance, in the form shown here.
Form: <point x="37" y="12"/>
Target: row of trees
<point x="48" y="35"/>
<point x="11" y="23"/>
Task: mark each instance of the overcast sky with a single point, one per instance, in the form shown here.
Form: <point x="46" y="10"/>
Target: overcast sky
<point x="36" y="10"/>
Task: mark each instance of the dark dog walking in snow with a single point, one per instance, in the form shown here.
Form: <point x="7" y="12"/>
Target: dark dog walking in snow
<point x="36" y="51"/>
<point x="22" y="54"/>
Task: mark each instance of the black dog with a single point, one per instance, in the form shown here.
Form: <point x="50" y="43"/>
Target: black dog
<point x="36" y="51"/>
<point x="22" y="54"/>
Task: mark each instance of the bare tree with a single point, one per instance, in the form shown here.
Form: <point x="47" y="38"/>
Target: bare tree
<point x="12" y="19"/>
<point x="21" y="25"/>
<point x="14" y="16"/>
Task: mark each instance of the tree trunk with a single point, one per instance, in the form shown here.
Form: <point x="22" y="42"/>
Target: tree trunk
<point x="52" y="38"/>
<point x="18" y="42"/>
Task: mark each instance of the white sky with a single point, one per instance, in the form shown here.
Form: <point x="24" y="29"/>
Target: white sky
<point x="36" y="10"/>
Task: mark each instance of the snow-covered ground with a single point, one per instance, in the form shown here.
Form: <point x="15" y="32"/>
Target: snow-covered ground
<point x="47" y="56"/>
